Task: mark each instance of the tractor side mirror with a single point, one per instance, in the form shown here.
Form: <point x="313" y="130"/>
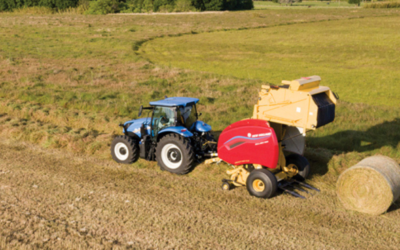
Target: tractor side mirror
<point x="140" y="110"/>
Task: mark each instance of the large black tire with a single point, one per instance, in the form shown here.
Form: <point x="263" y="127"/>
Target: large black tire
<point x="301" y="163"/>
<point x="175" y="154"/>
<point x="124" y="149"/>
<point x="261" y="183"/>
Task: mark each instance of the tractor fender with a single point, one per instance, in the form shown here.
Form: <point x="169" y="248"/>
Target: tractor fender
<point x="180" y="130"/>
<point x="202" y="127"/>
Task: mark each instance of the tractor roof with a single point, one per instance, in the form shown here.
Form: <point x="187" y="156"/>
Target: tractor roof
<point x="175" y="101"/>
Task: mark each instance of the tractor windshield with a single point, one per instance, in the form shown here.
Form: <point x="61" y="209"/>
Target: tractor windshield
<point x="187" y="115"/>
<point x="163" y="117"/>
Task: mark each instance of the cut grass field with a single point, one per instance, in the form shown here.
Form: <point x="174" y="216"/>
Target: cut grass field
<point x="260" y="5"/>
<point x="66" y="82"/>
<point x="357" y="58"/>
<point x="54" y="199"/>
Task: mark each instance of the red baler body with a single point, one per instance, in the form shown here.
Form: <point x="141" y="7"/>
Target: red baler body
<point x="249" y="141"/>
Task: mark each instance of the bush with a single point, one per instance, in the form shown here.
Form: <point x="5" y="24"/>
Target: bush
<point x="136" y="6"/>
<point x="103" y="7"/>
<point x="244" y="5"/>
<point x="223" y="4"/>
<point x="36" y="10"/>
<point x="357" y="2"/>
<point x="183" y="5"/>
<point x="166" y="5"/>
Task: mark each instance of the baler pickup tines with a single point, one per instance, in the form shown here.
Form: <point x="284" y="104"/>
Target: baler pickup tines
<point x="285" y="184"/>
<point x="291" y="192"/>
<point x="306" y="185"/>
<point x="300" y="189"/>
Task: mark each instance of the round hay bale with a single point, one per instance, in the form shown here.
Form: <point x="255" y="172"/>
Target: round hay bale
<point x="370" y="186"/>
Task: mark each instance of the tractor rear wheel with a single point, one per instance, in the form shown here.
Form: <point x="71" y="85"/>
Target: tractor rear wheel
<point x="124" y="149"/>
<point x="261" y="183"/>
<point x="301" y="164"/>
<point x="175" y="154"/>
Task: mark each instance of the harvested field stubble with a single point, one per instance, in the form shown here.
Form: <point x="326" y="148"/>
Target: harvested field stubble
<point x="54" y="199"/>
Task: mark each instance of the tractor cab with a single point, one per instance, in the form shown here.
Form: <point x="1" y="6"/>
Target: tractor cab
<point x="176" y="114"/>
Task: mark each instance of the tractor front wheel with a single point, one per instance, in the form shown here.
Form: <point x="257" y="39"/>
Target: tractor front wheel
<point x="301" y="163"/>
<point x="124" y="149"/>
<point x="261" y="183"/>
<point x="175" y="154"/>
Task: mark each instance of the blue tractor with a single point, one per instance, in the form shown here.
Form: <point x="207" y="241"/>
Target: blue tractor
<point x="172" y="135"/>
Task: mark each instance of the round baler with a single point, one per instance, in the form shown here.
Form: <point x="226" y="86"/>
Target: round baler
<point x="266" y="152"/>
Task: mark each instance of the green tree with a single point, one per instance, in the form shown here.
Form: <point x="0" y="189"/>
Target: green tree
<point x="223" y="4"/>
<point x="357" y="2"/>
<point x="159" y="3"/>
<point x="8" y="5"/>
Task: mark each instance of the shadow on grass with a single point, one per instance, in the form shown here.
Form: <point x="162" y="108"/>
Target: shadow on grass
<point x="386" y="134"/>
<point x="395" y="206"/>
<point x="378" y="136"/>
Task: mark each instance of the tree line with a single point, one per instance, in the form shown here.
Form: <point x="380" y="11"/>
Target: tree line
<point x="126" y="6"/>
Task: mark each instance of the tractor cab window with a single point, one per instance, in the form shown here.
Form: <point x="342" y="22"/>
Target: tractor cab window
<point x="163" y="117"/>
<point x="187" y="116"/>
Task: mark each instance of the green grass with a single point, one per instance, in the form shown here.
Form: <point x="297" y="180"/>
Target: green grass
<point x="383" y="5"/>
<point x="359" y="66"/>
<point x="259" y="5"/>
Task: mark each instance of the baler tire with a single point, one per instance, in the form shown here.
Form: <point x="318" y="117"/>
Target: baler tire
<point x="226" y="186"/>
<point x="264" y="177"/>
<point x="301" y="163"/>
<point x="174" y="146"/>
<point x="124" y="149"/>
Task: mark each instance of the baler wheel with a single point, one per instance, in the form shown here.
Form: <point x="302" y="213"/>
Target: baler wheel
<point x="124" y="149"/>
<point x="261" y="183"/>
<point x="301" y="163"/>
<point x="226" y="186"/>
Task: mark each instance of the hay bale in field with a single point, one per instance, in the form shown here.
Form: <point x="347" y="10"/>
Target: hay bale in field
<point x="370" y="186"/>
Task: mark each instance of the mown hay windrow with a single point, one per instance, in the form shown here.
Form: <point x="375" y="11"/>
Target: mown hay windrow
<point x="370" y="186"/>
